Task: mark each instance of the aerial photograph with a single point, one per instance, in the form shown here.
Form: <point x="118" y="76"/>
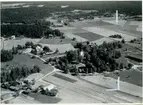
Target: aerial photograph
<point x="73" y="52"/>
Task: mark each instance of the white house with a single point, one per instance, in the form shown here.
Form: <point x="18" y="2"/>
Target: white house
<point x="49" y="87"/>
<point x="12" y="37"/>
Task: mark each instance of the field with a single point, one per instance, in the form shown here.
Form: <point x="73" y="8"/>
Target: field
<point x="8" y="44"/>
<point x="130" y="76"/>
<point x="83" y="91"/>
<point x="113" y="21"/>
<point x="102" y="27"/>
<point x="98" y="22"/>
<point x="61" y="47"/>
<point x="104" y="39"/>
<point x="78" y="38"/>
<point x="89" y="36"/>
<point x="79" y="24"/>
<point x="26" y="60"/>
<point x="107" y="33"/>
<point x="55" y="41"/>
<point x="71" y="30"/>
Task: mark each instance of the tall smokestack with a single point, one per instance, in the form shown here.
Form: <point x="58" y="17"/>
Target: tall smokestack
<point x="116" y="16"/>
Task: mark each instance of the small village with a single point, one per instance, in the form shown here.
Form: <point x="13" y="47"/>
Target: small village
<point x="77" y="53"/>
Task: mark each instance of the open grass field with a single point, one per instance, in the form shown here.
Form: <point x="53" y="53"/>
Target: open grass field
<point x="101" y="40"/>
<point x="55" y="41"/>
<point x="132" y="28"/>
<point x="98" y="23"/>
<point x="89" y="36"/>
<point x="130" y="76"/>
<point x="71" y="29"/>
<point x="26" y="60"/>
<point x="8" y="44"/>
<point x="106" y="33"/>
<point x="78" y="38"/>
<point x="120" y="22"/>
<point x="80" y="24"/>
<point x="61" y="47"/>
<point x="122" y="30"/>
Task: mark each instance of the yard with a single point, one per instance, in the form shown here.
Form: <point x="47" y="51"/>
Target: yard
<point x="26" y="60"/>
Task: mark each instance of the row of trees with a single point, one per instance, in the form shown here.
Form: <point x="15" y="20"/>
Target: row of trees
<point x="18" y="72"/>
<point x="116" y="36"/>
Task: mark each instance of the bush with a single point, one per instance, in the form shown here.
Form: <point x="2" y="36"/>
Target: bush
<point x="130" y="66"/>
<point x="53" y="92"/>
<point x="14" y="50"/>
<point x="74" y="39"/>
<point x="19" y="47"/>
<point x="46" y="49"/>
<point x="28" y="44"/>
<point x="123" y="41"/>
<point x="36" y="69"/>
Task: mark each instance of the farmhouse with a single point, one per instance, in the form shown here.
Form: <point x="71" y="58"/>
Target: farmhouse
<point x="49" y="87"/>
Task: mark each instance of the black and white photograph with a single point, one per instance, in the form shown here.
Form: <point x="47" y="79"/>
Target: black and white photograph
<point x="71" y="52"/>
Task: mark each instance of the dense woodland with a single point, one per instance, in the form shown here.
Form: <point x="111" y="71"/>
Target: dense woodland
<point x="37" y="29"/>
<point x="33" y="13"/>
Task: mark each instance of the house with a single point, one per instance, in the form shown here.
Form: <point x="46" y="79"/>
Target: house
<point x="82" y="53"/>
<point x="13" y="37"/>
<point x="50" y="36"/>
<point x="49" y="87"/>
<point x="39" y="49"/>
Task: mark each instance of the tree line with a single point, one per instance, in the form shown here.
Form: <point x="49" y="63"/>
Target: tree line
<point x="37" y="29"/>
<point x="17" y="72"/>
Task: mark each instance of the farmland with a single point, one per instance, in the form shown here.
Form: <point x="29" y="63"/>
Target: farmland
<point x="8" y="44"/>
<point x="74" y="54"/>
<point x="26" y="60"/>
<point x="107" y="33"/>
<point x="55" y="41"/>
<point x="89" y="36"/>
<point x="80" y="90"/>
